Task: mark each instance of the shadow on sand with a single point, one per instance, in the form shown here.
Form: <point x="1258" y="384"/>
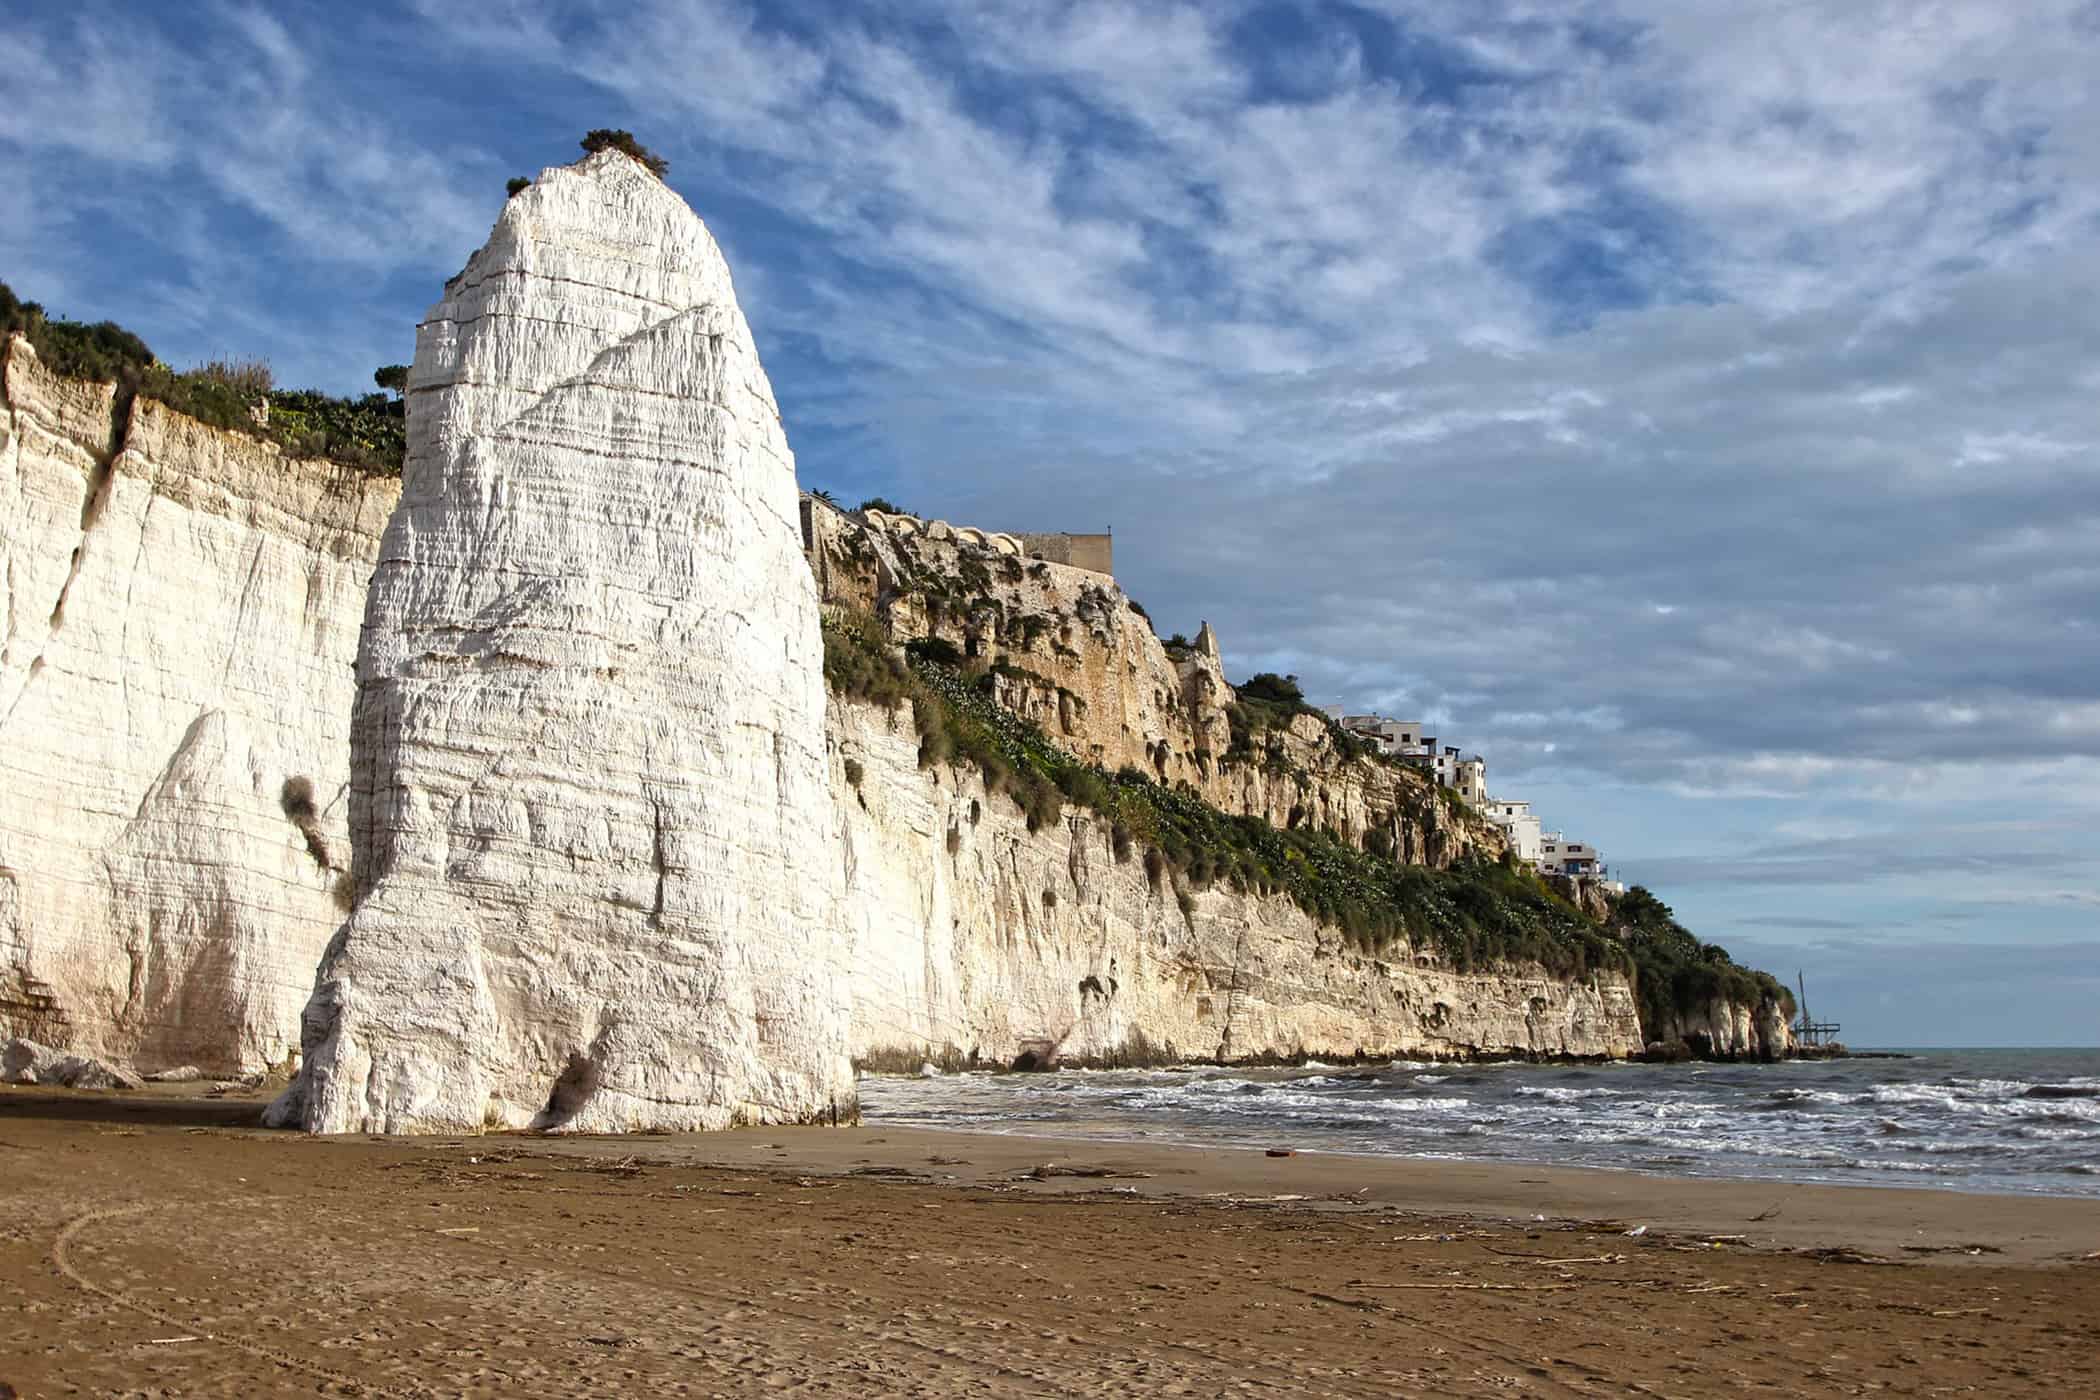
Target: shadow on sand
<point x="151" y="1110"/>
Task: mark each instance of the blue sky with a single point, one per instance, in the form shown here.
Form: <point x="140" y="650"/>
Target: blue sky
<point x="1692" y="406"/>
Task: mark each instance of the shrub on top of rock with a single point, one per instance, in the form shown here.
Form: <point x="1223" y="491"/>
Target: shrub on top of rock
<point x="104" y="350"/>
<point x="617" y="139"/>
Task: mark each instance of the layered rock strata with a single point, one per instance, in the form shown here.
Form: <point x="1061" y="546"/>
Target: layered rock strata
<point x="1084" y="665"/>
<point x="596" y="877"/>
<point x="180" y="608"/>
<point x="979" y="942"/>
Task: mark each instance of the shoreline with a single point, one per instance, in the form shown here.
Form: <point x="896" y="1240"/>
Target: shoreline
<point x="906" y="1064"/>
<point x="1111" y="1138"/>
<point x="163" y="1243"/>
<point x="1907" y="1126"/>
<point x="1895" y="1222"/>
<point x="1898" y="1222"/>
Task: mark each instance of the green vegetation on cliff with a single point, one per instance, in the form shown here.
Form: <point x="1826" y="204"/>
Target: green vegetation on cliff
<point x="1674" y="969"/>
<point x="612" y="138"/>
<point x="1265" y="704"/>
<point x="1477" y="915"/>
<point x="369" y="433"/>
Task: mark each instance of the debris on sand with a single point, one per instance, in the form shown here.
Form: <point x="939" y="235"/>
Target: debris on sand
<point x="1051" y="1169"/>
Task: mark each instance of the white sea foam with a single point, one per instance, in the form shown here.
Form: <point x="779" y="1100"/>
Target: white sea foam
<point x="1425" y="1104"/>
<point x="1864" y="1121"/>
<point x="1886" y="1165"/>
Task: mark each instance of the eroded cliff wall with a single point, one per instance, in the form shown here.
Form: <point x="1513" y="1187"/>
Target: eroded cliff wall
<point x="1076" y="658"/>
<point x="597" y="881"/>
<point x="976" y="940"/>
<point x="181" y="610"/>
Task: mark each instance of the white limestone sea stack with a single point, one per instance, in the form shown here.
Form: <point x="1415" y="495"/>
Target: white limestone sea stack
<point x="594" y="847"/>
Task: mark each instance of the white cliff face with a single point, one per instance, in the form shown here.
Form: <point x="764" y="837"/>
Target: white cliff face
<point x="597" y="883"/>
<point x="1730" y="1030"/>
<point x="975" y="940"/>
<point x="181" y="609"/>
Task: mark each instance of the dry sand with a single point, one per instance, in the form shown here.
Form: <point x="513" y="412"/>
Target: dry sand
<point x="156" y="1245"/>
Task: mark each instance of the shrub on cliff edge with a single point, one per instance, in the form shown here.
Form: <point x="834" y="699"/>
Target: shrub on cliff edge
<point x="104" y="350"/>
<point x="607" y="138"/>
<point x="368" y="433"/>
<point x="1675" y="972"/>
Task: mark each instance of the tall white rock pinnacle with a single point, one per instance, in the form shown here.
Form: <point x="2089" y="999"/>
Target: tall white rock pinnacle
<point x="593" y="842"/>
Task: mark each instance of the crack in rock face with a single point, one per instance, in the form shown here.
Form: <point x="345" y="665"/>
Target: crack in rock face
<point x="592" y="834"/>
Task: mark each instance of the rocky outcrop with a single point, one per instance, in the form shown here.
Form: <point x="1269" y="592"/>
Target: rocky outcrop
<point x="26" y="1062"/>
<point x="595" y="872"/>
<point x="181" y="608"/>
<point x="1075" y="656"/>
<point x="978" y="941"/>
<point x="1721" y="1029"/>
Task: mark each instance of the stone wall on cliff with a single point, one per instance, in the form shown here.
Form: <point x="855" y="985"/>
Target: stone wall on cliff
<point x="181" y="610"/>
<point x="977" y="941"/>
<point x="596" y="872"/>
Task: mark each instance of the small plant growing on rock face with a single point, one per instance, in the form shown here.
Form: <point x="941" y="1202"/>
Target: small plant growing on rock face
<point x="297" y="800"/>
<point x="616" y="139"/>
<point x="516" y="186"/>
<point x="883" y="504"/>
<point x="855" y="772"/>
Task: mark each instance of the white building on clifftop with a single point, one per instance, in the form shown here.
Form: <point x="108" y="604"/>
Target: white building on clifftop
<point x="1560" y="856"/>
<point x="1520" y="825"/>
<point x="1465" y="775"/>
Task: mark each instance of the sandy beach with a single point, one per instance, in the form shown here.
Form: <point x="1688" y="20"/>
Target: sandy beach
<point x="158" y="1244"/>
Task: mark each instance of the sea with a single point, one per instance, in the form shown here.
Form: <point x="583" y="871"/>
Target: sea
<point x="2020" y="1121"/>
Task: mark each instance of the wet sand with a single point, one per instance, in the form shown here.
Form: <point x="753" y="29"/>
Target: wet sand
<point x="158" y="1245"/>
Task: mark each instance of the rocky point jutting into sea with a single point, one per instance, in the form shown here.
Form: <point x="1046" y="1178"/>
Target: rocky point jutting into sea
<point x="610" y="856"/>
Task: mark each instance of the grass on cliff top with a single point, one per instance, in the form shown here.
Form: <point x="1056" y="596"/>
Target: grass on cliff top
<point x="1478" y="915"/>
<point x="369" y="433"/>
